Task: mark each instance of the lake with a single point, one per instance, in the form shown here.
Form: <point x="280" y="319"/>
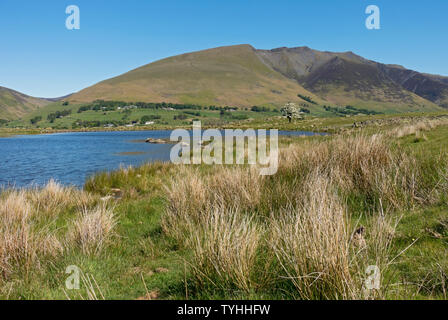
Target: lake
<point x="70" y="158"/>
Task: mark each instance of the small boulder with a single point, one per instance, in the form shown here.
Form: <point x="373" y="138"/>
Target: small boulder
<point x="155" y="141"/>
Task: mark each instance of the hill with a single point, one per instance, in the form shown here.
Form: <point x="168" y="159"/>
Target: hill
<point x="14" y="104"/>
<point x="244" y="76"/>
<point x="222" y="76"/>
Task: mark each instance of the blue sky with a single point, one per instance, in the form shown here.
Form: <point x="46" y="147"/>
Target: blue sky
<point x="40" y="57"/>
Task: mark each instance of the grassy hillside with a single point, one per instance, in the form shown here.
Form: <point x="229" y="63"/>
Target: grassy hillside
<point x="222" y="76"/>
<point x="243" y="76"/>
<point x="14" y="104"/>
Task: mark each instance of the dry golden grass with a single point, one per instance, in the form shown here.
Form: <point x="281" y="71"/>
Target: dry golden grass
<point x="311" y="243"/>
<point x="28" y="236"/>
<point x="14" y="206"/>
<point x="225" y="248"/>
<point x="93" y="228"/>
<point x="417" y="128"/>
<point x="363" y="165"/>
<point x="193" y="193"/>
<point x="20" y="242"/>
<point x="296" y="228"/>
<point x="53" y="198"/>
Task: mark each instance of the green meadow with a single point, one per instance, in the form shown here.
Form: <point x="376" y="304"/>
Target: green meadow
<point x="162" y="118"/>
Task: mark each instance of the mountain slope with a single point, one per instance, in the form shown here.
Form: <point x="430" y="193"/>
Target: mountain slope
<point x="222" y="76"/>
<point x="243" y="76"/>
<point x="14" y="104"/>
<point x="346" y="78"/>
<point x="431" y="87"/>
<point x="299" y="62"/>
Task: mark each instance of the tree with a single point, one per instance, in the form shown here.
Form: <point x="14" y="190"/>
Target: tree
<point x="36" y="119"/>
<point x="291" y="111"/>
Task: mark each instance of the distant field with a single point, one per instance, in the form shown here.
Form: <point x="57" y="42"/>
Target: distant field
<point x="167" y="117"/>
<point x="60" y="116"/>
<point x="318" y="120"/>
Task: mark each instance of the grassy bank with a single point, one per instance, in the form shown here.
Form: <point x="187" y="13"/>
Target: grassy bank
<point x="369" y="195"/>
<point x="261" y="120"/>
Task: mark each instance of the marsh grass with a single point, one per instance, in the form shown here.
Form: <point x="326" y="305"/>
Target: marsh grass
<point x="301" y="220"/>
<point x="92" y="229"/>
<point x="417" y="128"/>
<point x="226" y="232"/>
<point x="131" y="181"/>
<point x="311" y="243"/>
<point x="225" y="250"/>
<point x="30" y="226"/>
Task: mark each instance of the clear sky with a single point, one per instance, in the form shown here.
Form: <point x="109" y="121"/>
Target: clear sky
<point x="40" y="57"/>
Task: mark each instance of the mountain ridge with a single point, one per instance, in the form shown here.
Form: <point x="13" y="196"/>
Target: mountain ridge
<point x="221" y="76"/>
<point x="14" y="104"/>
<point x="242" y="75"/>
<point x="347" y="78"/>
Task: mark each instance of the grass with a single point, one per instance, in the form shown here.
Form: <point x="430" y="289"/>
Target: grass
<point x="34" y="227"/>
<point x="166" y="121"/>
<point x="319" y="120"/>
<point x="162" y="231"/>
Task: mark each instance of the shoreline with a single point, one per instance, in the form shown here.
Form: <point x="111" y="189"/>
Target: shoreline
<point x="18" y="132"/>
<point x="312" y="124"/>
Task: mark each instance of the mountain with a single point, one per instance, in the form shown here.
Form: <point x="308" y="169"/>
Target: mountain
<point x="222" y="76"/>
<point x="14" y="104"/>
<point x="348" y="79"/>
<point x="244" y="76"/>
<point x="431" y="87"/>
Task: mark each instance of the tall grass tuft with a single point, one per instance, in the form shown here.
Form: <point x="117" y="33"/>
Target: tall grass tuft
<point x="365" y="169"/>
<point x="54" y="198"/>
<point x="21" y="243"/>
<point x="312" y="244"/>
<point x="92" y="229"/>
<point x="225" y="249"/>
<point x="293" y="232"/>
<point x="32" y="225"/>
<point x="192" y="194"/>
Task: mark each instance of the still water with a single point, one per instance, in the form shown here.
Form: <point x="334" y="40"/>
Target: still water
<point x="70" y="158"/>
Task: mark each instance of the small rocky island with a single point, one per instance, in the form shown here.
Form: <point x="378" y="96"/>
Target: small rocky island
<point x="159" y="141"/>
